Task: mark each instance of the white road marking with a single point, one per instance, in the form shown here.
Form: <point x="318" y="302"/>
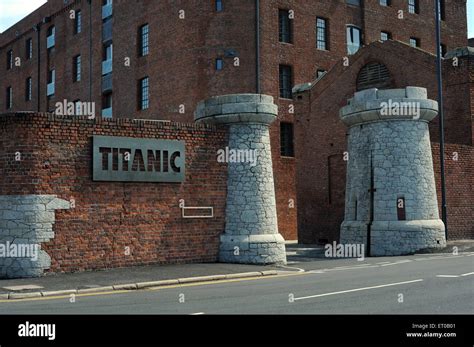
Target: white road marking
<point x="397" y="263"/>
<point x="455" y="276"/>
<point x="350" y="268"/>
<point x="358" y="289"/>
<point x="197" y="314"/>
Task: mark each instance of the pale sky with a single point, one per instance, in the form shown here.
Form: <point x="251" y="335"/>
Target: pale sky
<point x="11" y="11"/>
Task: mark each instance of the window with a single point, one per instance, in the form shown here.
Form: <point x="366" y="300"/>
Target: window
<point x="51" y="38"/>
<point x="219" y="64"/>
<point x="78" y="22"/>
<point x="353" y="2"/>
<point x="353" y="39"/>
<point x="413" y="6"/>
<point x="219" y="6"/>
<point x="384" y="2"/>
<point x="414" y="42"/>
<point x="9" y="98"/>
<point x="107" y="8"/>
<point x="28" y="89"/>
<point x="320" y="73"/>
<point x="321" y="34"/>
<point x="76" y="68"/>
<point x="286" y="140"/>
<point x="107" y="54"/>
<point x="51" y="83"/>
<point x="286" y="81"/>
<point x="29" y="49"/>
<point x="385" y="35"/>
<point x="107" y="105"/>
<point x="373" y="75"/>
<point x="285" y="29"/>
<point x="143" y="34"/>
<point x="143" y="94"/>
<point x="9" y="60"/>
<point x="108" y="51"/>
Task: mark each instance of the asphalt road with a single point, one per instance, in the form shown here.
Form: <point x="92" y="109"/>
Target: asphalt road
<point x="423" y="284"/>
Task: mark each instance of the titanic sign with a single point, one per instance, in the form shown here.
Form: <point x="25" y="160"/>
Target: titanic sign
<point x="126" y="159"/>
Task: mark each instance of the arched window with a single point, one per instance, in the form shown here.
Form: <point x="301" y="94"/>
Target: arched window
<point x="373" y="75"/>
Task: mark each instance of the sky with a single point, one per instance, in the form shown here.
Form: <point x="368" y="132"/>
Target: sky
<point x="11" y="11"/>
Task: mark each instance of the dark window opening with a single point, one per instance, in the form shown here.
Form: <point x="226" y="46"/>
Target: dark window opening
<point x="354" y="39"/>
<point x="414" y="42"/>
<point x="143" y="94"/>
<point x="385" y="36"/>
<point x="322" y="34"/>
<point x="9" y="60"/>
<point x="77" y="68"/>
<point x="78" y="22"/>
<point x="285" y="26"/>
<point x="219" y="64"/>
<point x="219" y="6"/>
<point x="28" y="89"/>
<point x="286" y="82"/>
<point x="29" y="49"/>
<point x="143" y="34"/>
<point x="286" y="140"/>
<point x="414" y="6"/>
<point x="9" y="98"/>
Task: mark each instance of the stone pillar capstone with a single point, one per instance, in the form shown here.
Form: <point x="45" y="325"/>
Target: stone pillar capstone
<point x="251" y="232"/>
<point x="390" y="187"/>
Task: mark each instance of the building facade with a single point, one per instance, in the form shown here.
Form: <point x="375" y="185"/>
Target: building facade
<point x="157" y="59"/>
<point x="325" y="149"/>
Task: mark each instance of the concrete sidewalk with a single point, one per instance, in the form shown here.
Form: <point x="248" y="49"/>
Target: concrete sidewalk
<point x="126" y="278"/>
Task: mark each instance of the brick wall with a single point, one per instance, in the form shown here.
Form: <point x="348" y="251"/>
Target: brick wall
<point x="181" y="63"/>
<point x="321" y="136"/>
<point x="459" y="168"/>
<point x="56" y="158"/>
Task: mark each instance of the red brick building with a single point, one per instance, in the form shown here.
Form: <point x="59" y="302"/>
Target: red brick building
<point x="151" y="59"/>
<point x="321" y="136"/>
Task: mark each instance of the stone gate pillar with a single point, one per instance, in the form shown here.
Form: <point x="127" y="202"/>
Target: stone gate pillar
<point x="390" y="188"/>
<point x="251" y="232"/>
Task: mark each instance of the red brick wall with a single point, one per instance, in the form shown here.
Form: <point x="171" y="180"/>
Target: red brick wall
<point x="321" y="136"/>
<point x="110" y="216"/>
<point x="459" y="168"/>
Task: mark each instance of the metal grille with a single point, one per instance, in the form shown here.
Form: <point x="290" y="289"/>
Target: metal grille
<point x="373" y="75"/>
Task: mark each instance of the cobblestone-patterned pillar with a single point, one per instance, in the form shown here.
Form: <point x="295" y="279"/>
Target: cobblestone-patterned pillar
<point x="25" y="222"/>
<point x="390" y="172"/>
<point x="251" y="233"/>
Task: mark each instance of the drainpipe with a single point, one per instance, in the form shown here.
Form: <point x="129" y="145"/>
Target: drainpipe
<point x="257" y="45"/>
<point x="362" y="8"/>
<point x="37" y="28"/>
<point x="439" y="73"/>
<point x="90" y="50"/>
